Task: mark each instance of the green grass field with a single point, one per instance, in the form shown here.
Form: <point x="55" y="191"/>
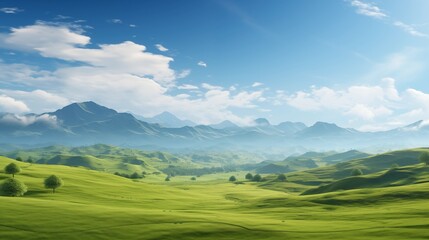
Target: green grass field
<point x="98" y="205"/>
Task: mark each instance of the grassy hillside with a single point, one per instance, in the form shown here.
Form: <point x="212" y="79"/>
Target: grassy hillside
<point x="97" y="205"/>
<point x="368" y="165"/>
<point x="392" y="177"/>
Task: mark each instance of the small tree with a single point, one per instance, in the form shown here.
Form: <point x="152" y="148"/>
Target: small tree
<point x="249" y="176"/>
<point x="167" y="179"/>
<point x="232" y="179"/>
<point x="257" y="178"/>
<point x="424" y="158"/>
<point x="357" y="172"/>
<point x="281" y="177"/>
<point x="13" y="187"/>
<point x="193" y="178"/>
<point x="135" y="175"/>
<point x="19" y="159"/>
<point x="13" y="169"/>
<point x="53" y="182"/>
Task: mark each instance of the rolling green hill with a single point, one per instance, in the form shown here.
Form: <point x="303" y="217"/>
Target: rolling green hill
<point x="393" y="177"/>
<point x="368" y="165"/>
<point x="97" y="205"/>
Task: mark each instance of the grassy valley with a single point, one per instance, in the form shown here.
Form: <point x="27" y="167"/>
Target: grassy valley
<point x="320" y="203"/>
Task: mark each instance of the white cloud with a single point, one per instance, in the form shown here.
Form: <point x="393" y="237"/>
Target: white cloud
<point x="62" y="43"/>
<point x="368" y="9"/>
<point x="210" y="87"/>
<point x="122" y="76"/>
<point x="115" y="20"/>
<point x="410" y="29"/>
<point x="257" y="84"/>
<point x="161" y="48"/>
<point x="133" y="25"/>
<point x="62" y="17"/>
<point x="25" y="120"/>
<point x="366" y="106"/>
<point x="364" y="102"/>
<point x="183" y="73"/>
<point x="11" y="105"/>
<point x="188" y="87"/>
<point x="10" y="10"/>
<point x="40" y="100"/>
<point x="202" y="64"/>
<point x="371" y="10"/>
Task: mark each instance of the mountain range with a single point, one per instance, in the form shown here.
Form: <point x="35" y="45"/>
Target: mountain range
<point x="89" y="123"/>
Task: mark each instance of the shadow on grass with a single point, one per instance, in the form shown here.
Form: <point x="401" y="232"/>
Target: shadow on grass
<point x="36" y="192"/>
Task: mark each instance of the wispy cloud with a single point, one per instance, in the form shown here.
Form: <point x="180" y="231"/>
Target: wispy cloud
<point x="188" y="87"/>
<point x="133" y="25"/>
<point x="368" y="9"/>
<point x="409" y="29"/>
<point x="161" y="48"/>
<point x="372" y="10"/>
<point x="10" y="10"/>
<point x="62" y="17"/>
<point x="202" y="64"/>
<point x="115" y="20"/>
<point x="257" y="84"/>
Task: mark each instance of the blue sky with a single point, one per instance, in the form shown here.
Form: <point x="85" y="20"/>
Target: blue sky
<point x="357" y="63"/>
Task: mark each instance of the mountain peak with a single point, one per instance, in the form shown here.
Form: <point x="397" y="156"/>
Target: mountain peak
<point x="168" y="119"/>
<point x="224" y="124"/>
<point x="78" y="113"/>
<point x="261" y="122"/>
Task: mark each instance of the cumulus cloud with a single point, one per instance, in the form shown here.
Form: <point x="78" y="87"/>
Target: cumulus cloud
<point x="123" y="76"/>
<point x="26" y="120"/>
<point x="202" y="64"/>
<point x="368" y="9"/>
<point x="365" y="102"/>
<point x="8" y="104"/>
<point x="366" y="105"/>
<point x="161" y="48"/>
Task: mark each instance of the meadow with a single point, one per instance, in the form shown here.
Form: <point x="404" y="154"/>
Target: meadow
<point x="101" y="205"/>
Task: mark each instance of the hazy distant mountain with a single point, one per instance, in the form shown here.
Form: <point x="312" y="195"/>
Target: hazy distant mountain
<point x="224" y="124"/>
<point x="89" y="123"/>
<point x="291" y="127"/>
<point x="325" y="129"/>
<point x="167" y="119"/>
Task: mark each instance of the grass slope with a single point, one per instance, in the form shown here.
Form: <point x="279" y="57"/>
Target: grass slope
<point x="97" y="205"/>
<point x="368" y="165"/>
<point x="392" y="177"/>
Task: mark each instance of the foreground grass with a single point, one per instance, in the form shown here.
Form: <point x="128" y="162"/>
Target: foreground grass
<point x="95" y="205"/>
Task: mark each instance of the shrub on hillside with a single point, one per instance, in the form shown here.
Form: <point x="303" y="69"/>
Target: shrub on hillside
<point x="13" y="187"/>
<point x="281" y="177"/>
<point x="356" y="172"/>
<point x="424" y="158"/>
<point x="232" y="179"/>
